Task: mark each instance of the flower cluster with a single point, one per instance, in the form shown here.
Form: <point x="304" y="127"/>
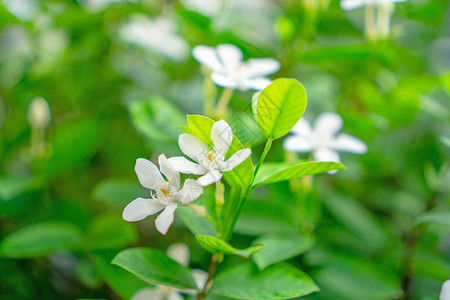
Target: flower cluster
<point x="166" y="194"/>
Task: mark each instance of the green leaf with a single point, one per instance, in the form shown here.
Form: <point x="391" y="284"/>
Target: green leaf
<point x="110" y="231"/>
<point x="73" y="143"/>
<point x="278" y="281"/>
<point x="280" y="106"/>
<point x="214" y="245"/>
<point x="440" y="217"/>
<point x="155" y="267"/>
<point x="40" y="240"/>
<point x="197" y="225"/>
<point x="118" y="192"/>
<point x="157" y="119"/>
<point x="119" y="280"/>
<point x="13" y="187"/>
<point x="281" y="246"/>
<point x="200" y="126"/>
<point x="276" y="172"/>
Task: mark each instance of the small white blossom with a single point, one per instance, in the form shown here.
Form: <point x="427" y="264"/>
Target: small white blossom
<point x="179" y="253"/>
<point x="156" y="35"/>
<point x="354" y="4"/>
<point x="166" y="194"/>
<point x="210" y="163"/>
<point x="322" y="139"/>
<point x="229" y="70"/>
<point x="445" y="291"/>
<point x="24" y="10"/>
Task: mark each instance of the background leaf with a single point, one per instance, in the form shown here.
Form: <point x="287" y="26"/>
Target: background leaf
<point x="279" y="281"/>
<point x="40" y="240"/>
<point x="155" y="267"/>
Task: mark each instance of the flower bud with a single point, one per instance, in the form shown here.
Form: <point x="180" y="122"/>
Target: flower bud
<point x="39" y="114"/>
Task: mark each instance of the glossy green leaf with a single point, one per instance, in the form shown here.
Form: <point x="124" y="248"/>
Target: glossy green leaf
<point x="157" y="119"/>
<point x="155" y="267"/>
<point x="278" y="281"/>
<point x="215" y="245"/>
<point x="119" y="280"/>
<point x="281" y="246"/>
<point x="434" y="217"/>
<point x="280" y="106"/>
<point x="276" y="172"/>
<point x="40" y="239"/>
<point x="197" y="225"/>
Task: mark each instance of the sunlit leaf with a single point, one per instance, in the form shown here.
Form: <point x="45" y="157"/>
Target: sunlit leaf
<point x="215" y="245"/>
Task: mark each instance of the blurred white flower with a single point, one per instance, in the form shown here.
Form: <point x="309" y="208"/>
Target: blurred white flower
<point x="39" y="114"/>
<point x="208" y="8"/>
<point x="24" y="10"/>
<point x="210" y="162"/>
<point x="229" y="70"/>
<point x="166" y="195"/>
<point x="156" y="35"/>
<point x="322" y="139"/>
<point x="445" y="291"/>
<point x="354" y="4"/>
<point x="179" y="253"/>
<point x="95" y="6"/>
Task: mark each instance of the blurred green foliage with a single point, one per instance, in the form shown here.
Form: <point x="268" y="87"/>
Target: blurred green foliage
<point x="378" y="230"/>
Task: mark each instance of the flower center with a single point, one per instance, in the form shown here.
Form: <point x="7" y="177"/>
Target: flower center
<point x="166" y="192"/>
<point x="211" y="157"/>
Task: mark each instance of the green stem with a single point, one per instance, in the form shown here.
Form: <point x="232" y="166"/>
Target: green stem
<point x="215" y="261"/>
<point x="248" y="191"/>
<point x="223" y="102"/>
<point x="263" y="157"/>
<point x="371" y="30"/>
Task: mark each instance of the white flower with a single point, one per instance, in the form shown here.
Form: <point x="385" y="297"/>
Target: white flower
<point x="211" y="163"/>
<point x="179" y="253"/>
<point x="228" y="69"/>
<point x="156" y="35"/>
<point x="445" y="291"/>
<point x="353" y="4"/>
<point x="24" y="10"/>
<point x="322" y="139"/>
<point x="166" y="195"/>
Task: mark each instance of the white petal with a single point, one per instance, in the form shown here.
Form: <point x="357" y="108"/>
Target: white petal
<point x="154" y="293"/>
<point x="207" y="56"/>
<point x="352" y="4"/>
<point x="190" y="191"/>
<point x="260" y="67"/>
<point x="222" y="80"/>
<point x="169" y="171"/>
<point x="230" y="55"/>
<point x="179" y="253"/>
<point x="174" y="295"/>
<point x="148" y="174"/>
<point x="254" y="84"/>
<point x="325" y="154"/>
<point x="200" y="277"/>
<point x="348" y="143"/>
<point x="185" y="166"/>
<point x="328" y="124"/>
<point x="140" y="208"/>
<point x="235" y="160"/>
<point x="445" y="291"/>
<point x="302" y="128"/>
<point x="165" y="219"/>
<point x="297" y="143"/>
<point x="222" y="136"/>
<point x="209" y="178"/>
<point x="191" y="146"/>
